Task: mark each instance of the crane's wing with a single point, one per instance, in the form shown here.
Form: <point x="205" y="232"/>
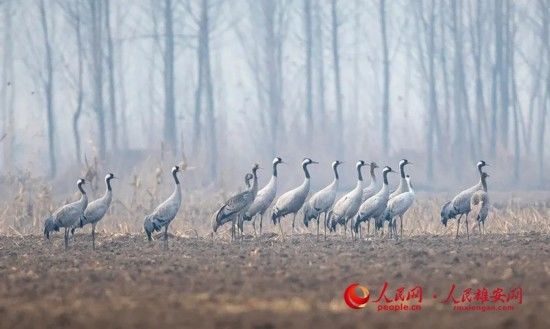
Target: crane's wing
<point x="234" y="205"/>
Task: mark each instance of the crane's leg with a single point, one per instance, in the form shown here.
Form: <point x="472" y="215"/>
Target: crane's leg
<point x="368" y="227"/>
<point x="360" y="229"/>
<point x="484" y="228"/>
<point x="325" y="226"/>
<point x="66" y="238"/>
<point x="281" y="229"/>
<point x="458" y="226"/>
<point x="254" y="226"/>
<point x="318" y="216"/>
<point x="261" y="220"/>
<point x="467" y="231"/>
<point x="93" y="236"/>
<point x="293" y="220"/>
<point x="166" y="237"/>
<point x="401" y="222"/>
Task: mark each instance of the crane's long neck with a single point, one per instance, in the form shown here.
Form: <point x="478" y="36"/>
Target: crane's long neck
<point x="81" y="189"/>
<point x="83" y="198"/>
<point x="335" y="169"/>
<point x="174" y="174"/>
<point x="255" y="183"/>
<point x="306" y="172"/>
<point x="484" y="183"/>
<point x="275" y="169"/>
<point x="372" y="176"/>
<point x="359" y="174"/>
<point x="402" y="170"/>
<point x="108" y="183"/>
<point x="385" y="178"/>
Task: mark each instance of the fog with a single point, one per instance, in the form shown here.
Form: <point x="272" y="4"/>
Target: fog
<point x="222" y="84"/>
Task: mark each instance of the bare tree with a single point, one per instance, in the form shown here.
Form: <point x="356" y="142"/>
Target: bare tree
<point x="309" y="83"/>
<point x="337" y="82"/>
<point x="111" y="76"/>
<point x="169" y="98"/>
<point x="48" y="85"/>
<point x="7" y="91"/>
<point x="386" y="88"/>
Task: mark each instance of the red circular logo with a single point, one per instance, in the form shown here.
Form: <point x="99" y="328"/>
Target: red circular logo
<point x="356" y="296"/>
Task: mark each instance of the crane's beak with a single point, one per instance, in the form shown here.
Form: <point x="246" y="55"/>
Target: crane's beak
<point x="314" y="162"/>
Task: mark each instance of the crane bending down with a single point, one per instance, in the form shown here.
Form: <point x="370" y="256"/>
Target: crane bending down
<point x="460" y="204"/>
<point x="236" y="206"/>
<point x="291" y="201"/>
<point x="322" y="201"/>
<point x="163" y="215"/>
<point x="68" y="216"/>
<point x="97" y="209"/>
<point x="264" y="199"/>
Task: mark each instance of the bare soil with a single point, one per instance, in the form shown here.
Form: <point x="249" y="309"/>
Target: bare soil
<point x="264" y="283"/>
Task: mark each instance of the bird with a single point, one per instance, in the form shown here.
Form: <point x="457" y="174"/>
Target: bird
<point x="164" y="213"/>
<point x="247" y="178"/>
<point x="291" y="201"/>
<point x="97" y="209"/>
<point x="264" y="199"/>
<point x="236" y="205"/>
<point x="402" y="182"/>
<point x="347" y="206"/>
<point x="374" y="206"/>
<point x="322" y="201"/>
<point x="398" y="206"/>
<point x="372" y="188"/>
<point x="479" y="204"/>
<point x="68" y="216"/>
<point x="460" y="204"/>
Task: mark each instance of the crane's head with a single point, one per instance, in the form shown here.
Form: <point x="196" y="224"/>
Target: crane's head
<point x="308" y="161"/>
<point x="175" y="169"/>
<point x="360" y="164"/>
<point x="336" y="163"/>
<point x="484" y="175"/>
<point x="373" y="165"/>
<point x="277" y="160"/>
<point x="247" y="178"/>
<point x="109" y="176"/>
<point x="387" y="169"/>
<point x="481" y="164"/>
<point x="255" y="168"/>
<point x="80" y="182"/>
<point x="404" y="162"/>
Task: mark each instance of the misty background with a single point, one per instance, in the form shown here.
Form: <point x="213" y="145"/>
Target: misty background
<point x="135" y="86"/>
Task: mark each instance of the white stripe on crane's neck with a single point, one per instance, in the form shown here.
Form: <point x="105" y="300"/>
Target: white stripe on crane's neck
<point x="335" y="169"/>
<point x="402" y="164"/>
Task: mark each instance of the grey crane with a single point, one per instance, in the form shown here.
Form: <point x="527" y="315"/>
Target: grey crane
<point x="163" y="215"/>
<point x="236" y="206"/>
<point x="347" y="206"/>
<point x="460" y="204"/>
<point x="402" y="182"/>
<point x="372" y="188"/>
<point x="68" y="216"/>
<point x="398" y="206"/>
<point x="98" y="208"/>
<point x="374" y="206"/>
<point x="479" y="204"/>
<point x="264" y="199"/>
<point x="322" y="201"/>
<point x="291" y="201"/>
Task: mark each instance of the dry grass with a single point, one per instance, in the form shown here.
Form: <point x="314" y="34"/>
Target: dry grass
<point x="27" y="201"/>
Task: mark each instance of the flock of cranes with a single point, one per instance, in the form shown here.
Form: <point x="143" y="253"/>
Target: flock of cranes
<point x="361" y="204"/>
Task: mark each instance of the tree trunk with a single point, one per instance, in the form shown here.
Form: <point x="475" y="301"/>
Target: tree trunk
<point x="337" y="83"/>
<point x="386" y="88"/>
<point x="169" y="98"/>
<point x="111" y="77"/>
<point x="48" y="89"/>
<point x="309" y="96"/>
<point x="7" y="95"/>
<point x="80" y="90"/>
<point x="97" y="75"/>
